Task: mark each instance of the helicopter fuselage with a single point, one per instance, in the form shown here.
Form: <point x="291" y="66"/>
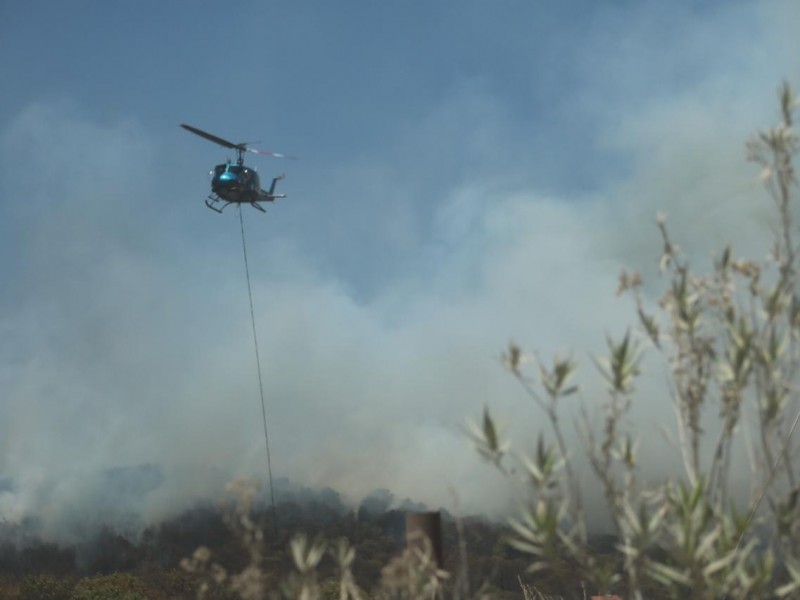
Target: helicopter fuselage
<point x="235" y="183"/>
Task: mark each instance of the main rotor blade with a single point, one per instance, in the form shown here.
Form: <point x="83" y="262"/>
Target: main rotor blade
<point x="210" y="137"/>
<point x="227" y="144"/>
<point x="268" y="153"/>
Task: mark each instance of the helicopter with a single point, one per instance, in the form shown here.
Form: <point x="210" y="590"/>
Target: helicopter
<point x="237" y="184"/>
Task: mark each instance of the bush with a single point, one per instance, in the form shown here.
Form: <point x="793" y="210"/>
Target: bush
<point x="117" y="586"/>
<point x="45" y="587"/>
<point x="730" y="340"/>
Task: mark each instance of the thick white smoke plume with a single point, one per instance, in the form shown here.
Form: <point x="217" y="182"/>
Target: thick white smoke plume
<point x="127" y="371"/>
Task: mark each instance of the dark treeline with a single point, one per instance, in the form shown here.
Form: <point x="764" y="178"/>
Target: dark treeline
<point x="147" y="565"/>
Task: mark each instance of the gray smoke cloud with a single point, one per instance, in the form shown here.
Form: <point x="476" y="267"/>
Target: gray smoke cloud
<point x="126" y="359"/>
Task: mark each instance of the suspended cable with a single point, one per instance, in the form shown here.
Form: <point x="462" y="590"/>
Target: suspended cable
<point x="260" y="380"/>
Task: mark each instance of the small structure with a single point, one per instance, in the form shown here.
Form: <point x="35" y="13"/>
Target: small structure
<point x="422" y="527"/>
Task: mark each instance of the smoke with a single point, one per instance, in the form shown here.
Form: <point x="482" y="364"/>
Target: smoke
<point x="126" y="358"/>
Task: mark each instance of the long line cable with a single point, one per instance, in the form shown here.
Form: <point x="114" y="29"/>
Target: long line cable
<point x="260" y="380"/>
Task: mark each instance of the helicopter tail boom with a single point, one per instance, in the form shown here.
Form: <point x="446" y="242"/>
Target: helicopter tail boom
<point x="270" y="196"/>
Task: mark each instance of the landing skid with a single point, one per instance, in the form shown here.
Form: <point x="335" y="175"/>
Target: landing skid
<point x="213" y="200"/>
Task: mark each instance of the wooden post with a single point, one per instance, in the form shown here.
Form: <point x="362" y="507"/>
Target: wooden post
<point x="422" y="525"/>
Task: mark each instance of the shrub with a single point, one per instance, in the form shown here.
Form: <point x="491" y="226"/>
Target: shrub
<point x="45" y="587"/>
<point x="730" y="340"/>
<point x="117" y="586"/>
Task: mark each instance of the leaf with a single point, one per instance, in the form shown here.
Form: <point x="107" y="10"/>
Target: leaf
<point x="666" y="575"/>
<point x="718" y="565"/>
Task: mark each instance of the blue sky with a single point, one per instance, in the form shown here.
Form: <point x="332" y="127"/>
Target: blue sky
<point x="469" y="172"/>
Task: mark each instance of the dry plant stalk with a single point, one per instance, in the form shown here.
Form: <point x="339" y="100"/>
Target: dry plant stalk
<point x="731" y="343"/>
